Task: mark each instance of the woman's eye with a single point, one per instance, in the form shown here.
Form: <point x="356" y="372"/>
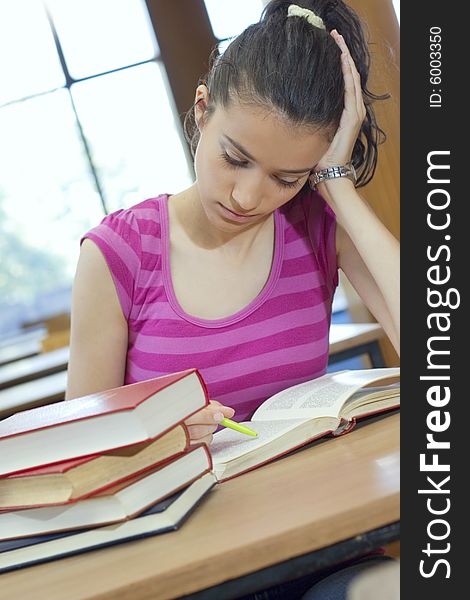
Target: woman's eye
<point x="233" y="161"/>
<point x="289" y="184"/>
<point x="238" y="163"/>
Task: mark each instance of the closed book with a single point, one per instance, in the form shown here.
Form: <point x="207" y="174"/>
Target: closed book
<point x="73" y="480"/>
<point x="99" y="422"/>
<point x="167" y="515"/>
<point x="124" y="504"/>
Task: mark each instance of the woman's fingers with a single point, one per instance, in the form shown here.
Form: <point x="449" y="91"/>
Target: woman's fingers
<point x="361" y="109"/>
<point x="214" y="413"/>
<point x="341" y="147"/>
<point x="353" y="100"/>
<point x="350" y="96"/>
<point x="197" y="432"/>
<point x="350" y="103"/>
<point x="202" y="424"/>
<point x="205" y="440"/>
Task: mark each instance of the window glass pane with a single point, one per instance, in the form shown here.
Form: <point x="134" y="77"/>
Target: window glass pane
<point x="134" y="138"/>
<point x="229" y="18"/>
<point x="47" y="198"/>
<point x="29" y="63"/>
<point x="396" y="6"/>
<point x="104" y="35"/>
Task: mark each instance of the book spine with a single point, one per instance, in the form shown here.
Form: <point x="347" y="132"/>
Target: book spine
<point x="344" y="427"/>
<point x="203" y="386"/>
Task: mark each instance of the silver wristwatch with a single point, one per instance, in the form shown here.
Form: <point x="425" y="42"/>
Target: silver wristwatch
<point x="346" y="170"/>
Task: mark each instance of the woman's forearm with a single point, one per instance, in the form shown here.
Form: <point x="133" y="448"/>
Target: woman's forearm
<point x="377" y="247"/>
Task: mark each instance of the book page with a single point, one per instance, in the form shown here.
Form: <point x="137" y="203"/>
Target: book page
<point x="371" y="399"/>
<point x="324" y="396"/>
<point x="365" y="395"/>
<point x="228" y="444"/>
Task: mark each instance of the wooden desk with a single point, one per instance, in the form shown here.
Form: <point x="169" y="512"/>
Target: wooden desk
<point x="353" y="339"/>
<point x="34" y="367"/>
<point x="19" y="349"/>
<point x="35" y="334"/>
<point x="33" y="393"/>
<point x="349" y="486"/>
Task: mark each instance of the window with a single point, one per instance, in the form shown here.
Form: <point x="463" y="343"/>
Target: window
<point x="229" y="18"/>
<point x="396" y="6"/>
<point x="87" y="126"/>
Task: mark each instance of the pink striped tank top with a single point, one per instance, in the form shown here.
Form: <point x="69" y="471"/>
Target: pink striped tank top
<point x="278" y="340"/>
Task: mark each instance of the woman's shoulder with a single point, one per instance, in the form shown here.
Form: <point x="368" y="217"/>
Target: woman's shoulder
<point x="130" y="233"/>
<point x="144" y="218"/>
<point x="129" y="240"/>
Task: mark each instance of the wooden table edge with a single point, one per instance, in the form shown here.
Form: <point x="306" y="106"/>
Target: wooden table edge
<point x="371" y="335"/>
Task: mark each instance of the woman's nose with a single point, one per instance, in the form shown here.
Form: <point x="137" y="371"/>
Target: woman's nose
<point x="247" y="195"/>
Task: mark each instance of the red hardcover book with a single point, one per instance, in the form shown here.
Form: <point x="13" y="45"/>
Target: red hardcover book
<point x="72" y="480"/>
<point x="300" y="414"/>
<point x="99" y="422"/>
<point x="164" y="516"/>
<point x="125" y="503"/>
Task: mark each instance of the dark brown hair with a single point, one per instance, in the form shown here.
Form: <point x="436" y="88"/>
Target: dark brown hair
<point x="287" y="65"/>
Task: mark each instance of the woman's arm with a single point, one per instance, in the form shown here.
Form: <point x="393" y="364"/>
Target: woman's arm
<point x="368" y="254"/>
<point x="98" y="343"/>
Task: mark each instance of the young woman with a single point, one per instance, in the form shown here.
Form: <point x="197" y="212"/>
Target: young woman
<point x="236" y="274"/>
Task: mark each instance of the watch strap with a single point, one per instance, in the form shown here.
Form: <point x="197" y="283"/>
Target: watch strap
<point x="346" y="170"/>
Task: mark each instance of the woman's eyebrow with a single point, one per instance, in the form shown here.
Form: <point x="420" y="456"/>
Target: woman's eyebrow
<point x="248" y="155"/>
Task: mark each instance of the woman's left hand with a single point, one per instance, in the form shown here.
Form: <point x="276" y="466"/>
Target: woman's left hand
<point x="342" y="145"/>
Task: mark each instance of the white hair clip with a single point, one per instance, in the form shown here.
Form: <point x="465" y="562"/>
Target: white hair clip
<point x="312" y="18"/>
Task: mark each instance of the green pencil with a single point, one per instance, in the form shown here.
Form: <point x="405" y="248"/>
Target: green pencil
<point x="238" y="427"/>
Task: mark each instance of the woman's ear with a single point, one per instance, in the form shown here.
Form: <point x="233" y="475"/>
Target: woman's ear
<point x="201" y="101"/>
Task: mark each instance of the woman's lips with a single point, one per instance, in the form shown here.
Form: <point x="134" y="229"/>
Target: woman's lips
<point x="229" y="214"/>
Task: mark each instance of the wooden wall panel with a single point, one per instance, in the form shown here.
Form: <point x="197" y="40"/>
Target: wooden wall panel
<point x="383" y="193"/>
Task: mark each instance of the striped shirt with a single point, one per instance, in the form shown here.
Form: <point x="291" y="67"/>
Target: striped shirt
<point x="278" y="340"/>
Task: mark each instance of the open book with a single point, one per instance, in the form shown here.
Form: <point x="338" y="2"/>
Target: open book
<point x="302" y="413"/>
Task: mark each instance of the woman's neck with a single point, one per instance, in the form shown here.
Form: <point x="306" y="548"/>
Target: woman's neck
<point x="187" y="213"/>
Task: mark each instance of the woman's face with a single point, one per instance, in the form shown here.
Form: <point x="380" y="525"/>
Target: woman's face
<point x="245" y="163"/>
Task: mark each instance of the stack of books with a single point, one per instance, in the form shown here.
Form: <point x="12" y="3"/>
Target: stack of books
<point x="99" y="469"/>
<point x="118" y="465"/>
